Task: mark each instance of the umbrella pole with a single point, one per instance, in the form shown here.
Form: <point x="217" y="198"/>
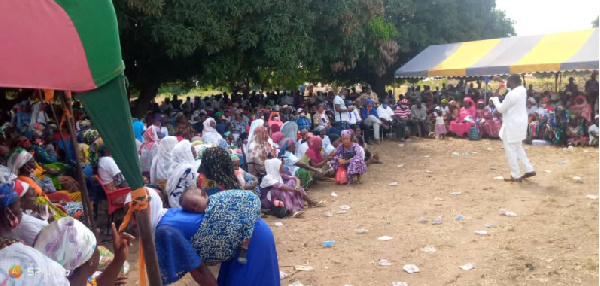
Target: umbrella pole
<point x="85" y="198"/>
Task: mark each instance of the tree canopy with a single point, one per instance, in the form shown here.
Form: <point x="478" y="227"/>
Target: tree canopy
<point x="275" y="43"/>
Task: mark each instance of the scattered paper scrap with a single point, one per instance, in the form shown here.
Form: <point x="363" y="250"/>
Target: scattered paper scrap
<point x="481" y="232"/>
<point x="361" y="230"/>
<point x="467" y="266"/>
<point x="459" y="217"/>
<point x="411" y="268"/>
<point x="562" y="162"/>
<point x="437" y="221"/>
<point x="429" y="249"/>
<point x="423" y="219"/>
<point x="384" y="262"/>
<point x="426" y="156"/>
<point x="328" y="214"/>
<point x="400" y="145"/>
<point x="297" y="283"/>
<point x="576" y="178"/>
<point x="282" y="275"/>
<point x="499" y="178"/>
<point x="592" y="197"/>
<point x="345" y="207"/>
<point x="455" y="154"/>
<point x="278" y="223"/>
<point x="548" y="171"/>
<point x="303" y="268"/>
<point x="384" y="238"/>
<point x="333" y="194"/>
<point x="393" y="183"/>
<point x="400" y="165"/>
<point x="341" y="212"/>
<point x="396" y="283"/>
<point x="456" y="193"/>
<point x="489" y="225"/>
<point x="438" y="199"/>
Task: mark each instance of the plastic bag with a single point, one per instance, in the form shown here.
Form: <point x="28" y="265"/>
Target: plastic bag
<point x="341" y="176"/>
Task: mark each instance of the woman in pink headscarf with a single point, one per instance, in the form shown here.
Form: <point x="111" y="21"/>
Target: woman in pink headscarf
<point x="147" y="151"/>
<point x="493" y="122"/>
<point x="458" y="127"/>
<point x="275" y="122"/>
<point x="582" y="107"/>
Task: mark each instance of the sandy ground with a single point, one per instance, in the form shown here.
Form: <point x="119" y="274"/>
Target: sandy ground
<point x="555" y="230"/>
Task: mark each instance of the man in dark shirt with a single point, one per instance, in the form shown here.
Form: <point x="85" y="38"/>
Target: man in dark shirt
<point x="591" y="88"/>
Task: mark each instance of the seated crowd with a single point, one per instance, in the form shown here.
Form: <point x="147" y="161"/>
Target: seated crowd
<point x="213" y="165"/>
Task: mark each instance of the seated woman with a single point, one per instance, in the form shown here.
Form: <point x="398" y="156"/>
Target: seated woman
<point x="147" y="151"/>
<point x="259" y="148"/>
<point x="349" y="157"/>
<point x="247" y="181"/>
<point x="556" y="127"/>
<point x="274" y="190"/>
<point x="291" y="163"/>
<point x="216" y="172"/>
<point x="493" y="121"/>
<point x="209" y="132"/>
<point x="35" y="216"/>
<point x="459" y="127"/>
<point x="275" y="122"/>
<point x="162" y="162"/>
<point x="537" y="126"/>
<point x="582" y="107"/>
<point x="182" y="127"/>
<point x="183" y="173"/>
<point x="575" y="131"/>
<point x="22" y="163"/>
<point x="314" y="159"/>
<point x="182" y="238"/>
<point x="74" y="246"/>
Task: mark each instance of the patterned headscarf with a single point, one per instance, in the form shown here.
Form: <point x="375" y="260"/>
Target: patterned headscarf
<point x="347" y="133"/>
<point x="216" y="166"/>
<point x="67" y="241"/>
<point x="18" y="159"/>
<point x="149" y="140"/>
<point x="8" y="195"/>
<point x="89" y="136"/>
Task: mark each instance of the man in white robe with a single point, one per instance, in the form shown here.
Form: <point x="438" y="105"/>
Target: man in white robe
<point x="514" y="128"/>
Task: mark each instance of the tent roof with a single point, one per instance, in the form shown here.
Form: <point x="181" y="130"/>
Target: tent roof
<point x="59" y="44"/>
<point x="577" y="50"/>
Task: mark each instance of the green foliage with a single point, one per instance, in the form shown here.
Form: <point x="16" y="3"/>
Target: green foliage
<point x="595" y="22"/>
<point x="381" y="29"/>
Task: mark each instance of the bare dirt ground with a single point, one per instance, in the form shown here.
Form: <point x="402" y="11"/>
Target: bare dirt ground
<point x="555" y="230"/>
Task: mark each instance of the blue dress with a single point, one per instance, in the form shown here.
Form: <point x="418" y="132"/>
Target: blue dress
<point x="262" y="268"/>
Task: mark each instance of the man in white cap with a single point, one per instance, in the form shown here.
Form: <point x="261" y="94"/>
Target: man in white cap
<point x="514" y="128"/>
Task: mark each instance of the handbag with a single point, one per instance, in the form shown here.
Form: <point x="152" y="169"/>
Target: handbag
<point x="341" y="176"/>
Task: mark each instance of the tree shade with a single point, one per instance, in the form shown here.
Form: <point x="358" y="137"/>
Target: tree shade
<point x="577" y="50"/>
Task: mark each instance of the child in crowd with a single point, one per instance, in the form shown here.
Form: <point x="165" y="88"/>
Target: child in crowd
<point x="194" y="200"/>
<point x="575" y="134"/>
<point x="593" y="132"/>
<point x="440" y="125"/>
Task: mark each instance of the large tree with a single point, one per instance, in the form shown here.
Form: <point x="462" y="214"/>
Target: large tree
<point x="272" y="43"/>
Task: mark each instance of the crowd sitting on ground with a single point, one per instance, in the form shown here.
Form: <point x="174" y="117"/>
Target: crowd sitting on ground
<point x="227" y="159"/>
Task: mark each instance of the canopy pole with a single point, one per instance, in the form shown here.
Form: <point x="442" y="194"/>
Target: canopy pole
<point x="85" y="198"/>
<point x="556" y="82"/>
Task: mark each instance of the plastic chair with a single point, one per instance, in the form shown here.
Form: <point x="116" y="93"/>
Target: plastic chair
<point x="58" y="197"/>
<point x="111" y="196"/>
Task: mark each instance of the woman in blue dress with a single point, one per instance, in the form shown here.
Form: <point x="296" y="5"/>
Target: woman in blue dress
<point x="183" y="237"/>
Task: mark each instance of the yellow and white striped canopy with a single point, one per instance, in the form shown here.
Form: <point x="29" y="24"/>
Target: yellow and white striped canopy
<point x="577" y="50"/>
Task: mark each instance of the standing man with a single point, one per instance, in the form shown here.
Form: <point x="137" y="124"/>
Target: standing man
<point x="514" y="127"/>
<point x="591" y="87"/>
<point x="341" y="111"/>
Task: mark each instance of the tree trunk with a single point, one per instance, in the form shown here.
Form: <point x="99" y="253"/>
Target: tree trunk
<point x="147" y="93"/>
<point x="378" y="86"/>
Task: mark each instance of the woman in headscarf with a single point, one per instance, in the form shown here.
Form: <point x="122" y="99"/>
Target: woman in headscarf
<point x="350" y="157"/>
<point x="582" y="107"/>
<point x="14" y="251"/>
<point x="182" y="172"/>
<point x="276" y="137"/>
<point x="182" y="127"/>
<point x="147" y="151"/>
<point x="259" y="149"/>
<point x="537" y="126"/>
<point x="557" y="125"/>
<point x="278" y="187"/>
<point x="459" y="127"/>
<point x="209" y="133"/>
<point x="493" y="121"/>
<point x="216" y="172"/>
<point x="162" y="162"/>
<point x="23" y="164"/>
<point x="187" y="241"/>
<point x="70" y="243"/>
<point x="314" y="161"/>
<point x="274" y="122"/>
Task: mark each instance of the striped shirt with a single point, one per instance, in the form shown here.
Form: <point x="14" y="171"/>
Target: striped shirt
<point x="404" y="113"/>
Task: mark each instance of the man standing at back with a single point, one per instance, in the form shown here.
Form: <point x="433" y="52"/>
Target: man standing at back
<point x="341" y="111"/>
<point x="514" y="127"/>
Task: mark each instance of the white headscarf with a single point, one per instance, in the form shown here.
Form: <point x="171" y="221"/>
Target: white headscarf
<point x="182" y="174"/>
<point x="17" y="160"/>
<point x="50" y="272"/>
<point x="272" y="167"/>
<point x="161" y="163"/>
<point x="156" y="207"/>
<point x="209" y="134"/>
<point x="253" y="126"/>
<point x="67" y="241"/>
